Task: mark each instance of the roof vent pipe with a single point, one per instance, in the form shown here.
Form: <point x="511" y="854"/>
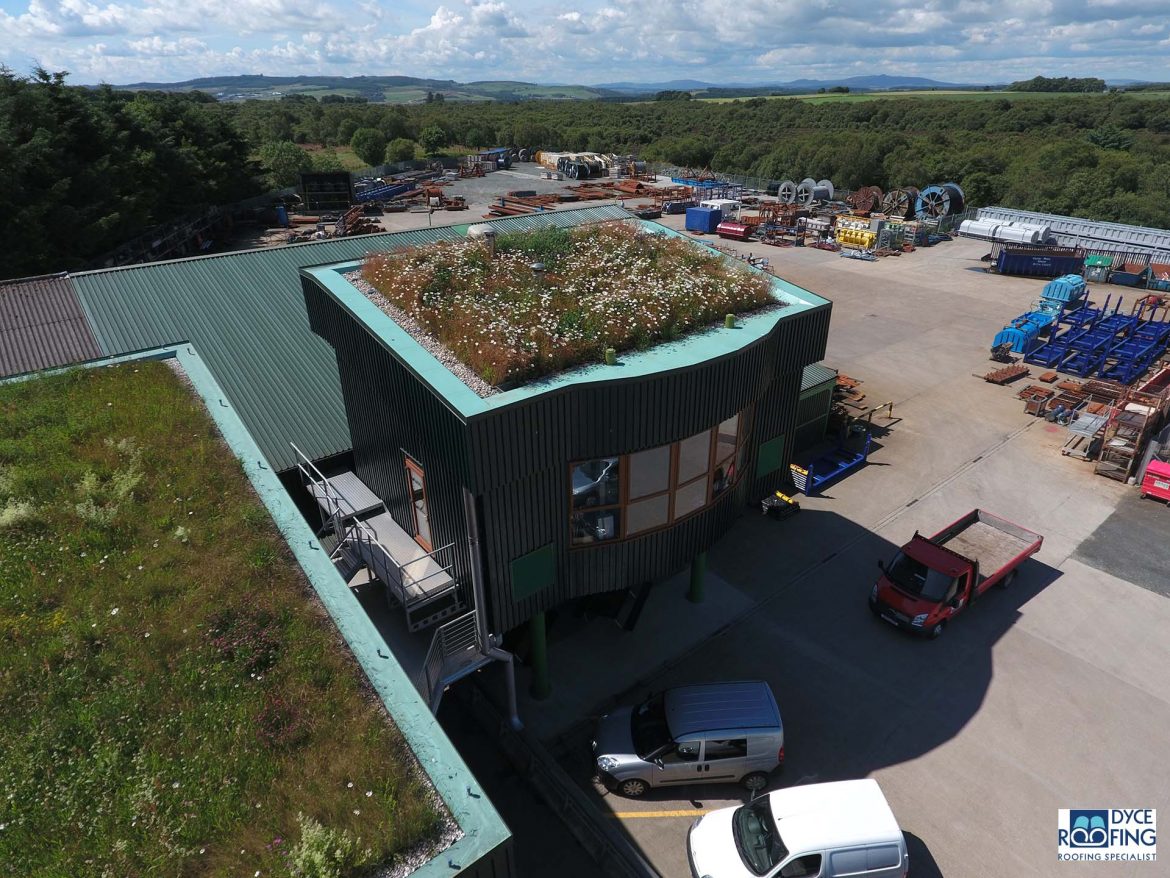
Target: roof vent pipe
<point x="487" y="234"/>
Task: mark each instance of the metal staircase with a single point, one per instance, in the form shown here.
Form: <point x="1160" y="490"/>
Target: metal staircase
<point x="422" y="583"/>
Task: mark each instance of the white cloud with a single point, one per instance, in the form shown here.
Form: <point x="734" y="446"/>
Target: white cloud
<point x="588" y="41"/>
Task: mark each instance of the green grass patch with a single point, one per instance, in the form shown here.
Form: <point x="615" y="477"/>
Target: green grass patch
<point x="173" y="699"/>
<point x="602" y="285"/>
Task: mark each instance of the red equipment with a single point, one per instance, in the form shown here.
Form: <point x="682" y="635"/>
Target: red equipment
<point x="737" y="231"/>
<point x="1156" y="484"/>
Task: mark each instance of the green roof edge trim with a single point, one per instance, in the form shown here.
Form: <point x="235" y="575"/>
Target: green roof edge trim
<point x="483" y="828"/>
<point x="703" y="345"/>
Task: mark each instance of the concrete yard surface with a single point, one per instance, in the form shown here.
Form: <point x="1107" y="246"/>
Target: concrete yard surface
<point x="1051" y="694"/>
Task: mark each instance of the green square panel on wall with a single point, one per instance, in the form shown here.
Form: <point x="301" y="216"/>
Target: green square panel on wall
<point x="770" y="457"/>
<point x="534" y="572"/>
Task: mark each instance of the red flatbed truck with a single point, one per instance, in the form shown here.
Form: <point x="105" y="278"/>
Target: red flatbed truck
<point x="933" y="579"/>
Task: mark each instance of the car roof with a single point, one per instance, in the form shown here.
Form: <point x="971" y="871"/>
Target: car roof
<point x="817" y="817"/>
<point x="709" y="707"/>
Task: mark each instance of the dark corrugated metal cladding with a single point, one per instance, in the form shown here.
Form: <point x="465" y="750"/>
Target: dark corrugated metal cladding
<point x="42" y="325"/>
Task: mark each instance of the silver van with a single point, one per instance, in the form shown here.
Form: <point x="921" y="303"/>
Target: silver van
<point x="706" y="733"/>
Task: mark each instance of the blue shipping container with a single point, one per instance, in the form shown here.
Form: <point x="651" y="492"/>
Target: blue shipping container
<point x="1032" y="264"/>
<point x="703" y="219"/>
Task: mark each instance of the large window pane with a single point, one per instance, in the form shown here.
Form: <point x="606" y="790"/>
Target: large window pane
<point x="690" y="497"/>
<point x="694" y="456"/>
<point x="596" y="525"/>
<point x="595" y="483"/>
<point x="649" y="472"/>
<point x="725" y="439"/>
<point x="647" y="514"/>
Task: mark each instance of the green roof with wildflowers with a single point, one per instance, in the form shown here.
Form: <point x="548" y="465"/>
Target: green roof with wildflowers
<point x="538" y="315"/>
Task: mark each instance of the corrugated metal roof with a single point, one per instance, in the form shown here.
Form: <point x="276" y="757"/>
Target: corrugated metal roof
<point x="816" y="374"/>
<point x="42" y="325"/>
<point x="245" y="314"/>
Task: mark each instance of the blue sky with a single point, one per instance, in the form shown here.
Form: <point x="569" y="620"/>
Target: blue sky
<point x="588" y="42"/>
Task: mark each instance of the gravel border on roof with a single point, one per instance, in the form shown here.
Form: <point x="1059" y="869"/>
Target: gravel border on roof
<point x="454" y="365"/>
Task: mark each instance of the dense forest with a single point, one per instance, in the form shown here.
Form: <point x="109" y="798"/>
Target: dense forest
<point x="85" y="170"/>
<point x="93" y="167"/>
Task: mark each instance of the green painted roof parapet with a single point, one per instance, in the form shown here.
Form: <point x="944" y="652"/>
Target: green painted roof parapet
<point x="483" y="828"/>
<point x="707" y="344"/>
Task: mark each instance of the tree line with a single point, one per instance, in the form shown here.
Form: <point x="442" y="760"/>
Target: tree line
<point x="95" y="167"/>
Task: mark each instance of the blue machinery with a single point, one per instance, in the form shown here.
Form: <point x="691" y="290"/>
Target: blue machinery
<point x="829" y="466"/>
<point x="383" y="193"/>
<point x="1107" y="343"/>
<point x="1022" y="335"/>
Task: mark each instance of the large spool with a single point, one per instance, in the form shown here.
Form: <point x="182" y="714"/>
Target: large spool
<point x="939" y="200"/>
<point x="866" y="200"/>
<point x="804" y="191"/>
<point x="900" y="203"/>
<point x="786" y="192"/>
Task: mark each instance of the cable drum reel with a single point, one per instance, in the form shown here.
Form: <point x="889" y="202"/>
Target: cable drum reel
<point x="939" y="200"/>
<point x="786" y="192"/>
<point x="900" y="202"/>
<point x="810" y="190"/>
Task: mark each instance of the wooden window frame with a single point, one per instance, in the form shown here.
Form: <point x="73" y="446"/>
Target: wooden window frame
<point x="673" y="486"/>
<point x="413" y="466"/>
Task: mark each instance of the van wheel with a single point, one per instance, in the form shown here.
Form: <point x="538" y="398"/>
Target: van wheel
<point x="936" y="632"/>
<point x="1008" y="580"/>
<point x="632" y="787"/>
<point x="755" y="781"/>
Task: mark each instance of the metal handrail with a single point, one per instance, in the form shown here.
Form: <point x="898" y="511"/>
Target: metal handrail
<point x="367" y="535"/>
<point x="460" y="635"/>
<point x="359" y="531"/>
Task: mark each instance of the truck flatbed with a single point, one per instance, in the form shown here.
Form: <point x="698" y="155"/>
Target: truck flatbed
<point x="992" y="547"/>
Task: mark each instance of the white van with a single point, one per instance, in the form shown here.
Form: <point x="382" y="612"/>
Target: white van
<point x="829" y="830"/>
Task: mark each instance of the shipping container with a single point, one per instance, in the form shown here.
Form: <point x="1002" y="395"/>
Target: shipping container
<point x="703" y="219"/>
<point x="1039" y="263"/>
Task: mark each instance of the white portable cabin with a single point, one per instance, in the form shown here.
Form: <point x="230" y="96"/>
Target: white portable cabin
<point x="727" y="205"/>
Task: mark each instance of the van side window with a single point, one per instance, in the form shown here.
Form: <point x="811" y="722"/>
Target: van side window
<point x="803" y="867"/>
<point x="732" y="749"/>
<point x="852" y="862"/>
<point x="884" y="856"/>
<point x="687" y="751"/>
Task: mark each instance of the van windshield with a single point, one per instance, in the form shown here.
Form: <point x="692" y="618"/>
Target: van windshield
<point x="648" y="726"/>
<point x="759" y="844"/>
<point x="918" y="579"/>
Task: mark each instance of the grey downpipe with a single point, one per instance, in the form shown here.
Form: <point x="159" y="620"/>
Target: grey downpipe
<point x="487" y="640"/>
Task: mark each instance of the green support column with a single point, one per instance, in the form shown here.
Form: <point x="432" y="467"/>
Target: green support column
<point x="541" y="688"/>
<point x="698" y="574"/>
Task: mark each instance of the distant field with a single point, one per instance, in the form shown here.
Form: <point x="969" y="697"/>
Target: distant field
<point x="941" y="93"/>
<point x="347" y="157"/>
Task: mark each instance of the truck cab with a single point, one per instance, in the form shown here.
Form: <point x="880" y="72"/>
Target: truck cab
<point x="932" y="579"/>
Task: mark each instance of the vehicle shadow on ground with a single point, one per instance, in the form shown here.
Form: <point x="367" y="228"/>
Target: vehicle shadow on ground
<point x="922" y="864"/>
<point x="810" y="635"/>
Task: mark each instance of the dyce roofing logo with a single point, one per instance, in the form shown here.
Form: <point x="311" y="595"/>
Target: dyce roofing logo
<point x="1117" y="834"/>
<point x="1088" y="829"/>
